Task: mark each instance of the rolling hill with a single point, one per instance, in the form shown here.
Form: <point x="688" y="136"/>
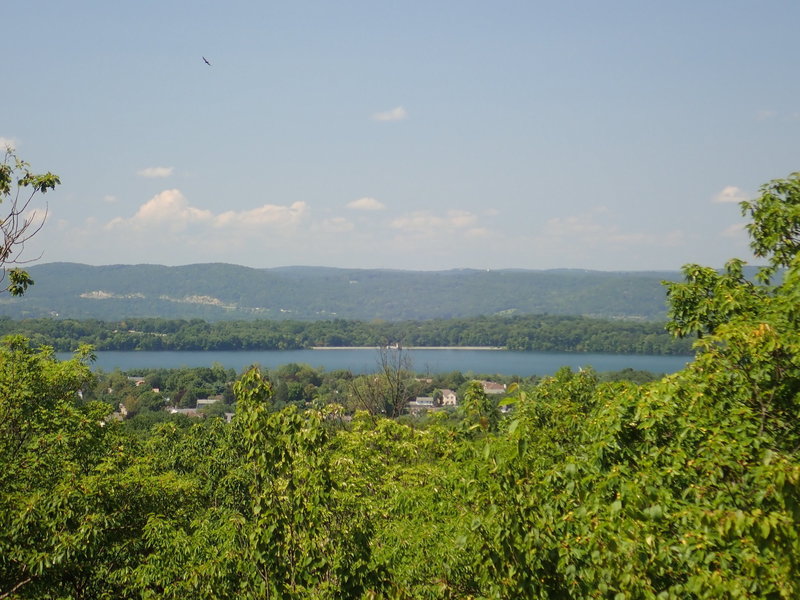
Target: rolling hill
<point x="222" y="291"/>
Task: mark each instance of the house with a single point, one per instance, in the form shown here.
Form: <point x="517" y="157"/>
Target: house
<point x="490" y="387"/>
<point x="189" y="412"/>
<point x="137" y="381"/>
<point x="449" y="398"/>
<point x="201" y="402"/>
<point x="419" y="405"/>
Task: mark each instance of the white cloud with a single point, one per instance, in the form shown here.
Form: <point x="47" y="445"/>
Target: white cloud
<point x="396" y="114"/>
<point x="36" y="217"/>
<point x="336" y="225"/>
<point x="154" y="172"/>
<point x="110" y="199"/>
<point x="573" y="225"/>
<point x="765" y="115"/>
<point x="583" y="230"/>
<point x="477" y="232"/>
<point x="769" y="115"/>
<point x="735" y="231"/>
<point x="7" y="142"/>
<point x="366" y="203"/>
<point x="730" y="193"/>
<point x="426" y="223"/>
<point x="170" y="209"/>
<point x="268" y="214"/>
<point x="461" y="218"/>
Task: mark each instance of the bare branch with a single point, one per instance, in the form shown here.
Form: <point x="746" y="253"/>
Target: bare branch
<point x="14" y="589"/>
<point x="388" y="390"/>
<point x="20" y="223"/>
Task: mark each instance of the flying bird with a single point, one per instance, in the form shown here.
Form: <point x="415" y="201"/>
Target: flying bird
<point x="205" y="60"/>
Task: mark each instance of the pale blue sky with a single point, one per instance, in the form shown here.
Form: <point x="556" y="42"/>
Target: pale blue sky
<point x="413" y="135"/>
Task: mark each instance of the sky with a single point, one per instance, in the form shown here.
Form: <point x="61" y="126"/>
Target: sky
<point x="433" y="135"/>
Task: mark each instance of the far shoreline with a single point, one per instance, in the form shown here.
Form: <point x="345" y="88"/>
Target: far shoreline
<point x="409" y="348"/>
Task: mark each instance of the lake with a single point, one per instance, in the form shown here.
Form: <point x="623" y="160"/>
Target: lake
<point x="364" y="360"/>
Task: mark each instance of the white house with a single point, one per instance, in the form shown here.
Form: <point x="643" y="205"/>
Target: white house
<point x="449" y="398"/>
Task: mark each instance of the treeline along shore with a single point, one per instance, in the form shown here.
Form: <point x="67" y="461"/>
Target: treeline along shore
<point x="521" y="332"/>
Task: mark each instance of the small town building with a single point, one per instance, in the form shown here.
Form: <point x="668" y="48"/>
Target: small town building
<point x="449" y="398"/>
<point x="491" y="387"/>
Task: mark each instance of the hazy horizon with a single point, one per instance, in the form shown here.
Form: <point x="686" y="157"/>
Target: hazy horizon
<point x="279" y="267"/>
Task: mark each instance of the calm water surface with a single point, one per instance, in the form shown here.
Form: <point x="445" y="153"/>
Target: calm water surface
<point x="364" y="360"/>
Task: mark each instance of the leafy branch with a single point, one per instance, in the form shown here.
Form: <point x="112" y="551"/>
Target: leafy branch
<point x="18" y="186"/>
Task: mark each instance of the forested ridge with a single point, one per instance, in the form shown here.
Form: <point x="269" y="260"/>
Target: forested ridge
<point x="529" y="332"/>
<point x="216" y="292"/>
<point x="685" y="487"/>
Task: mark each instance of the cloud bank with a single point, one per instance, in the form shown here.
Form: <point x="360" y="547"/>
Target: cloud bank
<point x="427" y="224"/>
<point x="171" y="210"/>
<point x="170" y="229"/>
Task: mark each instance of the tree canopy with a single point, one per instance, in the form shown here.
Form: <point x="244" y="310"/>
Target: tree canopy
<point x="573" y="487"/>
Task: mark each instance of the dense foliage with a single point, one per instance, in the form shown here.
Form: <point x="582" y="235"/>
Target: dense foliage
<point x="542" y="333"/>
<point x="686" y="487"/>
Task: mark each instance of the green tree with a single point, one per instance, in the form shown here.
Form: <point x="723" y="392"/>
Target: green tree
<point x="683" y="488"/>
<point x="707" y="299"/>
<point x="479" y="410"/>
<point x="775" y="223"/>
<point x="301" y="542"/>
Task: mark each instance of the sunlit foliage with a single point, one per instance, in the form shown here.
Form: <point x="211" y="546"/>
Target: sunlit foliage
<point x="684" y="487"/>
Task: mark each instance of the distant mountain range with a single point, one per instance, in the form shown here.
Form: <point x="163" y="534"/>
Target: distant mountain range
<point x="222" y="291"/>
